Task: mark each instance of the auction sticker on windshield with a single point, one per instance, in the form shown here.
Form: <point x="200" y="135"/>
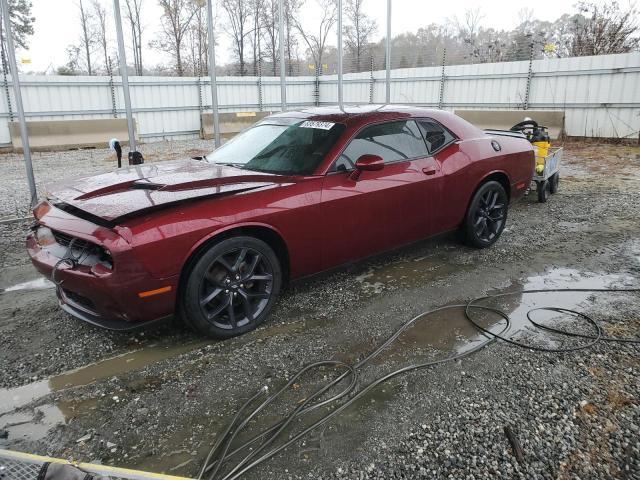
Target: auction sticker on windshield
<point x="320" y="125"/>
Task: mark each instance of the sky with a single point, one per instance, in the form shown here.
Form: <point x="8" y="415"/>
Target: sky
<point x="57" y="25"/>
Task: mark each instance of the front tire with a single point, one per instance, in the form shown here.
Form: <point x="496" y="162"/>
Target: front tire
<point x="231" y="288"/>
<point x="486" y="216"/>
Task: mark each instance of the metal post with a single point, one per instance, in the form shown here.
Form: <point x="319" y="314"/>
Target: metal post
<point x="125" y="75"/>
<point x="340" y="99"/>
<point x="442" y="80"/>
<point x="283" y="71"/>
<point x="13" y="69"/>
<point x="212" y="75"/>
<point x="371" y="82"/>
<point x="529" y="75"/>
<point x="112" y="89"/>
<point x="260" y="83"/>
<point x="388" y="54"/>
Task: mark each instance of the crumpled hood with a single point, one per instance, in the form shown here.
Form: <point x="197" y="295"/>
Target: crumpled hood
<point x="143" y="187"/>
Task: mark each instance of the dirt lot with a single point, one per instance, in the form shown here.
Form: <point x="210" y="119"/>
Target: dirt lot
<point x="156" y="400"/>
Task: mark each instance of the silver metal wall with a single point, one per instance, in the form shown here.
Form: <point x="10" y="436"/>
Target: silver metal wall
<point x="601" y="95"/>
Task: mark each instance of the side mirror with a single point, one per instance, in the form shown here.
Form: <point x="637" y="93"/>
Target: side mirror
<point x="367" y="163"/>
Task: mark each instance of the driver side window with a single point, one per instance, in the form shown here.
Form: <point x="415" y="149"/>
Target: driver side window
<point x="393" y="141"/>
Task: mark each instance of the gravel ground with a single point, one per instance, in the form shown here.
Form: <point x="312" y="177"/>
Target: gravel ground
<point x="55" y="166"/>
<point x="156" y="400"/>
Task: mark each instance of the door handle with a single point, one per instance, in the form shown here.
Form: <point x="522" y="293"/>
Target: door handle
<point x="429" y="171"/>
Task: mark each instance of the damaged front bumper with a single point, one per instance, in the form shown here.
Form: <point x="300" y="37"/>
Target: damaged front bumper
<point x="100" y="281"/>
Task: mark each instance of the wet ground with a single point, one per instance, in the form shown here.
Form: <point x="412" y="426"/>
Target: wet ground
<point x="157" y="400"/>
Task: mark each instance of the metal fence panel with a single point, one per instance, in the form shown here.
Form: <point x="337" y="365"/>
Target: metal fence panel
<point x="600" y="95"/>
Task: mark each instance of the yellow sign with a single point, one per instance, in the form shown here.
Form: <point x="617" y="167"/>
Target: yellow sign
<point x="550" y="47"/>
<point x="25" y="61"/>
<point x="245" y="114"/>
<point x="312" y="66"/>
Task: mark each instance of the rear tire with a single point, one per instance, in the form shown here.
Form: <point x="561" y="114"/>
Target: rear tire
<point x="554" y="182"/>
<point x="544" y="190"/>
<point x="486" y="216"/>
<point x="231" y="287"/>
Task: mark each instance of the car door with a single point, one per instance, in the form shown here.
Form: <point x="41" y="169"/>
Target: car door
<point x="381" y="209"/>
<point x="445" y="156"/>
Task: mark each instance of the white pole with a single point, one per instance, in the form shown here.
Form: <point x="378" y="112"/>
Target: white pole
<point x="388" y="59"/>
<point x="212" y="75"/>
<point x="13" y="68"/>
<point x="283" y="71"/>
<point x="340" y="99"/>
<point x="125" y="75"/>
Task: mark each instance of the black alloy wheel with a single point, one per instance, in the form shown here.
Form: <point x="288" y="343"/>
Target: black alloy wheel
<point x="487" y="215"/>
<point x="232" y="287"/>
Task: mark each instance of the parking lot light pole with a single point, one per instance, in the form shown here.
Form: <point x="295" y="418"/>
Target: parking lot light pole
<point x="283" y="71"/>
<point x="13" y="68"/>
<point x="388" y="55"/>
<point x="212" y="75"/>
<point x="340" y="99"/>
<point x="125" y="75"/>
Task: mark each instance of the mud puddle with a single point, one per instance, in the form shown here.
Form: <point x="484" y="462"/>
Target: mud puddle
<point x="13" y="398"/>
<point x="408" y="273"/>
<point x="518" y="305"/>
<point x="448" y="332"/>
<point x="34" y="424"/>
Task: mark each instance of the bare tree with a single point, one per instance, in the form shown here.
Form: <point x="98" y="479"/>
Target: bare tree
<point x="269" y="22"/>
<point x="359" y="30"/>
<point x="606" y="28"/>
<point x="133" y="14"/>
<point x="317" y="42"/>
<point x="238" y="12"/>
<point x="100" y="15"/>
<point x="197" y="39"/>
<point x="175" y="22"/>
<point x="87" y="39"/>
<point x="256" y="34"/>
<point x="291" y="12"/>
<point x="472" y="19"/>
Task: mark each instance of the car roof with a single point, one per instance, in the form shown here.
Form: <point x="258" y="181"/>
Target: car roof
<point x="357" y="113"/>
<point x="356" y="116"/>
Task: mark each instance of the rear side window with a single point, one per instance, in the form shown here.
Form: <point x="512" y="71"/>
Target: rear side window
<point x="435" y="135"/>
<point x="393" y="141"/>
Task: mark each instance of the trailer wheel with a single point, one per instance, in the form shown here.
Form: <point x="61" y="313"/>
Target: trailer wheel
<point x="544" y="190"/>
<point x="554" y="182"/>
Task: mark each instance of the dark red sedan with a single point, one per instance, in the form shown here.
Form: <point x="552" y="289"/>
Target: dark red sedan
<point x="214" y="239"/>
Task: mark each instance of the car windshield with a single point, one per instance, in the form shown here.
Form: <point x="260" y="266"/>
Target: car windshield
<point x="287" y="146"/>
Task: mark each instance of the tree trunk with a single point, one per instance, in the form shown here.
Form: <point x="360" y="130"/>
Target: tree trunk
<point x="178" y="61"/>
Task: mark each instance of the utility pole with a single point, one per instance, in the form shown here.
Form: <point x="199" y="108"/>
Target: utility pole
<point x="388" y="55"/>
<point x="212" y="75"/>
<point x="340" y="99"/>
<point x="283" y="80"/>
<point x="125" y="76"/>
<point x="24" y="135"/>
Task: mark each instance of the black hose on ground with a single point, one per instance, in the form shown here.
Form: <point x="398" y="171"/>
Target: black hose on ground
<point x="272" y="433"/>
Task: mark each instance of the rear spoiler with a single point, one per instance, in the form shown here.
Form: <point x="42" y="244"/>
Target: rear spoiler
<point x="505" y="133"/>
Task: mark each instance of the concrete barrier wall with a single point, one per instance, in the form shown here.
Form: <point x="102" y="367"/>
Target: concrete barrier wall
<point x="64" y="134"/>
<point x="230" y="123"/>
<point x="505" y="119"/>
